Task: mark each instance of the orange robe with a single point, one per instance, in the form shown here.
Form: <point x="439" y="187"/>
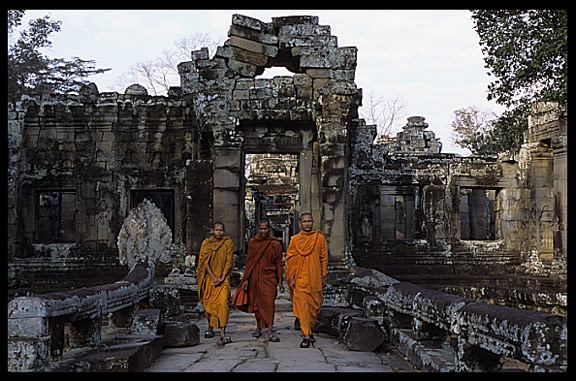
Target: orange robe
<point x="219" y="254"/>
<point x="263" y="272"/>
<point x="307" y="262"/>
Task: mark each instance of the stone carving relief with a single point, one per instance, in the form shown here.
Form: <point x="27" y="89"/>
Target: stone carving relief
<point x="145" y="236"/>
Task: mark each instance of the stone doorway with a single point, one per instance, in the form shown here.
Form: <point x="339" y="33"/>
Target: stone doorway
<point x="306" y="114"/>
<point x="272" y="192"/>
<point x="280" y="177"/>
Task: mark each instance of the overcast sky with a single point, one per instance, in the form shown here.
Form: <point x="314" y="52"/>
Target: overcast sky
<point x="429" y="59"/>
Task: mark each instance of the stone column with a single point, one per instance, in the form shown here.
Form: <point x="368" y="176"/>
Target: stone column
<point x="228" y="193"/>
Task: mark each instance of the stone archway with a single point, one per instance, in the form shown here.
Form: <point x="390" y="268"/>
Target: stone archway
<point x="307" y="114"/>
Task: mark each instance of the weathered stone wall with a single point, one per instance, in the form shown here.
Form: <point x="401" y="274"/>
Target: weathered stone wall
<point x="78" y="163"/>
<point x="99" y="149"/>
<point x="412" y="210"/>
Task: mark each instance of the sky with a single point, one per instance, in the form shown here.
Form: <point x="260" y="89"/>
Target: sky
<point x="430" y="60"/>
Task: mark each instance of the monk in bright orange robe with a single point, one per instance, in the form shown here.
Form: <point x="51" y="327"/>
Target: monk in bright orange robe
<point x="213" y="278"/>
<point x="262" y="276"/>
<point x="306" y="270"/>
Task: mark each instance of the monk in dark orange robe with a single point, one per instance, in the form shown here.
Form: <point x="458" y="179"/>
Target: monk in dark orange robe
<point x="213" y="278"/>
<point x="306" y="271"/>
<point x="262" y="276"/>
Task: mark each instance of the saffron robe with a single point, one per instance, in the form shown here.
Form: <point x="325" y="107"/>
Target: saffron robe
<point x="218" y="253"/>
<point x="263" y="272"/>
<point x="307" y="263"/>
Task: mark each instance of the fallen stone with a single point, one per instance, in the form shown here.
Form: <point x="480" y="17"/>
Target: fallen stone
<point x="335" y="320"/>
<point x="179" y="334"/>
<point x="129" y="353"/>
<point x="364" y="335"/>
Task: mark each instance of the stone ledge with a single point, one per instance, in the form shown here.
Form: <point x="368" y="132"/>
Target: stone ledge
<point x="128" y="353"/>
<point x="427" y="358"/>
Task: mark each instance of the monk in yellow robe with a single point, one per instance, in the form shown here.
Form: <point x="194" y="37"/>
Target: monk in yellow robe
<point x="213" y="278"/>
<point x="262" y="276"/>
<point x="306" y="270"/>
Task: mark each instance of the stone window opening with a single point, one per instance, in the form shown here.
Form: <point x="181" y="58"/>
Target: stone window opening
<point x="397" y="211"/>
<point x="478" y="213"/>
<point x="55" y="216"/>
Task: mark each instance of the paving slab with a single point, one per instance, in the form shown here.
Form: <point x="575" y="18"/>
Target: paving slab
<point x="249" y="354"/>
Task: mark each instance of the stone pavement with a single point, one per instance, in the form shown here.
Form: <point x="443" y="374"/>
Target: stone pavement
<point x="248" y="354"/>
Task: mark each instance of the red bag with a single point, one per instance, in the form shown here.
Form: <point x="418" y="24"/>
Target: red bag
<point x="240" y="299"/>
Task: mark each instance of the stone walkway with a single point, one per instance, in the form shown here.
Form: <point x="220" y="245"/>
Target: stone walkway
<point x="248" y="354"/>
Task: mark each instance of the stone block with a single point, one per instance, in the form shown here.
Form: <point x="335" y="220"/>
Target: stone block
<point x="253" y="46"/>
<point x="248" y="22"/>
<point x="28" y="327"/>
<point x="126" y="353"/>
<point x="335" y="320"/>
<point x="166" y="298"/>
<point x="29" y="355"/>
<point x="146" y="322"/>
<point x="253" y="35"/>
<point x="250" y="57"/>
<point x="364" y="335"/>
<point x="180" y="334"/>
<point x="318" y="73"/>
<point x="303" y="80"/>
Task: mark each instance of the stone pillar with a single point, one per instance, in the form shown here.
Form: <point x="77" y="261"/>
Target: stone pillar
<point x="28" y="345"/>
<point x="561" y="199"/>
<point x="199" y="176"/>
<point x="228" y="193"/>
<point x="310" y="196"/>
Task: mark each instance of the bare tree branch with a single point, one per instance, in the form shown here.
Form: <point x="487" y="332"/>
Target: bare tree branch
<point x="382" y="112"/>
<point x="161" y="73"/>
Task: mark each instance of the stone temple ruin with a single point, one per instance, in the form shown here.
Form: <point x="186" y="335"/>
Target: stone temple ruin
<point x="491" y="229"/>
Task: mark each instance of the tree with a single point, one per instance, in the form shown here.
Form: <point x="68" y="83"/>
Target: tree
<point x="527" y="53"/>
<point x="468" y="123"/>
<point x="30" y="72"/>
<point x="159" y="74"/>
<point x="383" y="113"/>
<point x="14" y="18"/>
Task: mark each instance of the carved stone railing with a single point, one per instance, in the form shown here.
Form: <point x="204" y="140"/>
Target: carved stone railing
<point x="36" y="324"/>
<point x="483" y="334"/>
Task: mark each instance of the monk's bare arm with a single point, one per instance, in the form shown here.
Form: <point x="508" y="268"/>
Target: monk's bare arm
<point x="213" y="277"/>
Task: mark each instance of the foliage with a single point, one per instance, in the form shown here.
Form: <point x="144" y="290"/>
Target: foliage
<point x="31" y="72"/>
<point x="527" y="53"/>
<point x="506" y="134"/>
<point x="470" y="122"/>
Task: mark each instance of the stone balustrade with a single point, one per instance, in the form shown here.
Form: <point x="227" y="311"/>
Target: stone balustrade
<point x="482" y="334"/>
<point x="36" y="323"/>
